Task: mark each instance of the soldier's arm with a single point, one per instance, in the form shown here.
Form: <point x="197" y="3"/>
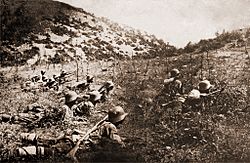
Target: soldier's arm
<point x="211" y="93"/>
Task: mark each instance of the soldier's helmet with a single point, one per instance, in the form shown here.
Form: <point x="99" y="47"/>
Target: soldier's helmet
<point x="70" y="96"/>
<point x="95" y="96"/>
<point x="204" y="85"/>
<point x="43" y="72"/>
<point x="90" y="79"/>
<point x="194" y="94"/>
<point x="116" y="114"/>
<point x="174" y="72"/>
<point x="109" y="84"/>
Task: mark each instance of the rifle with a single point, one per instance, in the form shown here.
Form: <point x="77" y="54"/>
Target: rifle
<point x="166" y="104"/>
<point x="211" y="93"/>
<point x="73" y="151"/>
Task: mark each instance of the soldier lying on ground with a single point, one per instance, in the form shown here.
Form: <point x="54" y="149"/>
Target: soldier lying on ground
<point x="62" y="77"/>
<point x="90" y="79"/>
<point x="34" y="116"/>
<point x="31" y="146"/>
<point x="79" y="105"/>
<point x="94" y="96"/>
<point x="43" y="76"/>
<point x="35" y="78"/>
<point x="63" y="74"/>
<point x="52" y="83"/>
<point x="195" y="100"/>
<point x="82" y="85"/>
<point x="70" y="98"/>
<point x="104" y="131"/>
<point x="108" y="129"/>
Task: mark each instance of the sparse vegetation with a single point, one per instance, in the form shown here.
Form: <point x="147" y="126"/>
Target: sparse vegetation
<point x="235" y="38"/>
<point x="157" y="134"/>
<point x="152" y="133"/>
<point x="25" y="22"/>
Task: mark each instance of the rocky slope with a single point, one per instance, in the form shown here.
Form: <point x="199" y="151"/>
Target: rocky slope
<point x="50" y="31"/>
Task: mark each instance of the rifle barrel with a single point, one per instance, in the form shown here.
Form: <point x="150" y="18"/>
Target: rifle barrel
<point x="73" y="151"/>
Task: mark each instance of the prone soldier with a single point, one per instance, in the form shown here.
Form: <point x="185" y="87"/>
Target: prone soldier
<point x="197" y="99"/>
<point x="105" y="130"/>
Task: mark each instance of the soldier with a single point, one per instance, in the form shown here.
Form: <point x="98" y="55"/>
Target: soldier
<point x="205" y="87"/>
<point x="197" y="98"/>
<point x="94" y="97"/>
<point x="172" y="85"/>
<point x="35" y="78"/>
<point x="44" y="77"/>
<point x="70" y="98"/>
<point x="78" y="105"/>
<point x="32" y="146"/>
<point x="63" y="74"/>
<point x="106" y="90"/>
<point x="83" y="108"/>
<point x="62" y="77"/>
<point x="105" y="131"/>
<point x="90" y="79"/>
<point x="108" y="86"/>
<point x="108" y="129"/>
<point x="52" y="83"/>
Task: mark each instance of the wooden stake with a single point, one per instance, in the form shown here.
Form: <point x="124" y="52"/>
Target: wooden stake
<point x="208" y="63"/>
<point x="201" y="75"/>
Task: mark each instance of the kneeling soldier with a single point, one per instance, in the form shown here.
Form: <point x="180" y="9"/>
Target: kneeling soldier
<point x="172" y="85"/>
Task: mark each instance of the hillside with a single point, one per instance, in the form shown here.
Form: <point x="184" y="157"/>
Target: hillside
<point x="42" y="29"/>
<point x="228" y="40"/>
<point x="153" y="133"/>
<point x="157" y="128"/>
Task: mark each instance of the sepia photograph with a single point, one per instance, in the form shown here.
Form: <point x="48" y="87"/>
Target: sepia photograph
<point x="152" y="81"/>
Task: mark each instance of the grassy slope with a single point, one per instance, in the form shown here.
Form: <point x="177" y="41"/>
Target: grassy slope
<point x="207" y="137"/>
<point x="155" y="134"/>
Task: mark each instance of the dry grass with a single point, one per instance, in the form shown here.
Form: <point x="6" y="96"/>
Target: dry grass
<point x="153" y="133"/>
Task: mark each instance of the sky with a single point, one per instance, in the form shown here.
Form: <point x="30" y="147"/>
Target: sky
<point x="174" y="21"/>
